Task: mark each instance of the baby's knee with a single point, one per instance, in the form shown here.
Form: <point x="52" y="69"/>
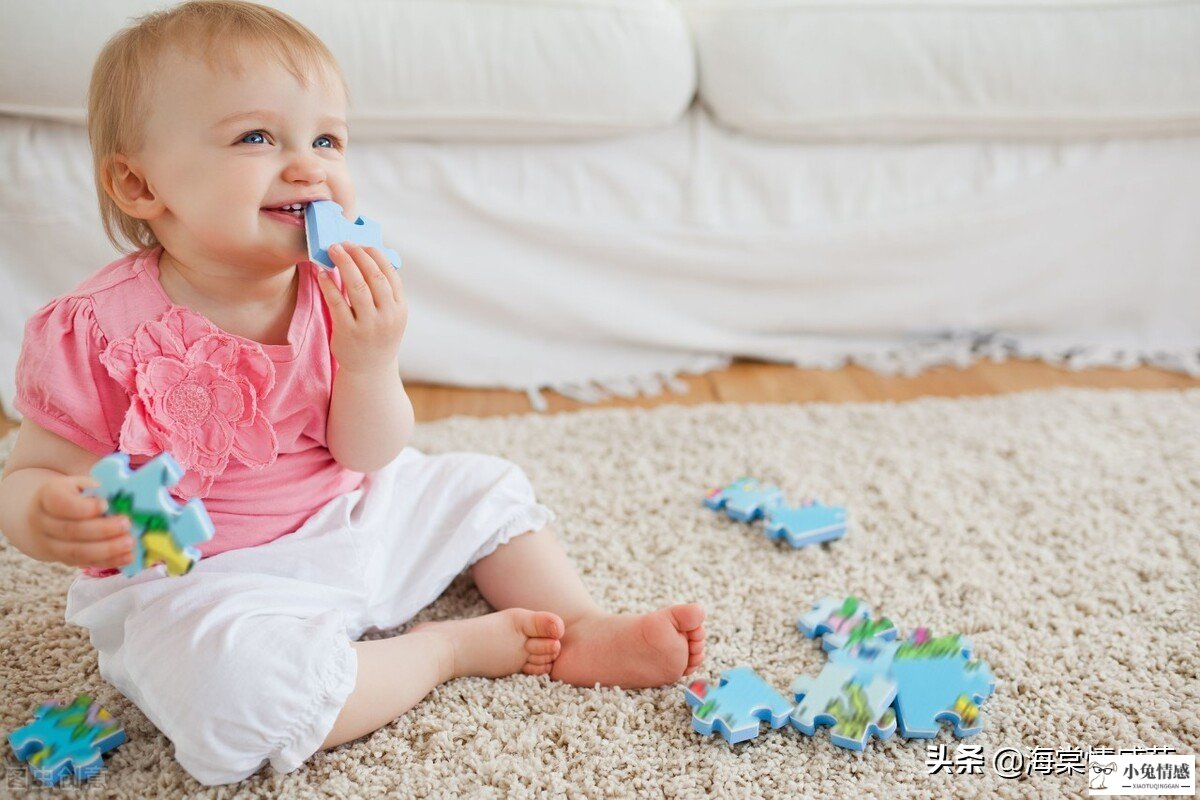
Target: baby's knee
<point x="255" y="691"/>
<point x="485" y="477"/>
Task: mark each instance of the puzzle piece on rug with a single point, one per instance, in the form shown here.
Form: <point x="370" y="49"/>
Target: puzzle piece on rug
<point x="325" y="225"/>
<point x="745" y="500"/>
<point x="163" y="531"/>
<point x="805" y="524"/>
<point x="872" y="684"/>
<point x="936" y="680"/>
<point x="857" y="709"/>
<point x="842" y="622"/>
<point x="736" y="706"/>
<point x="67" y="739"/>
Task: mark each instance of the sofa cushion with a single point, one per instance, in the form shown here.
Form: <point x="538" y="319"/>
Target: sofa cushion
<point x="528" y="69"/>
<point x="886" y="69"/>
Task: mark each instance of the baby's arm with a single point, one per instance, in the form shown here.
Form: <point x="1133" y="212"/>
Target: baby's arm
<point x="44" y="514"/>
<point x="370" y="415"/>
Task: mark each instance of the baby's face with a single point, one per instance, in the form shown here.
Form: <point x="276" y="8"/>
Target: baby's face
<point x="217" y="175"/>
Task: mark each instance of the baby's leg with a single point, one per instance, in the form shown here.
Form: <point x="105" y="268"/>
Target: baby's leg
<point x="628" y="650"/>
<point x="395" y="674"/>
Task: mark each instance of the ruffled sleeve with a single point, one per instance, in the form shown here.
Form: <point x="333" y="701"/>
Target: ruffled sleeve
<point x="61" y="383"/>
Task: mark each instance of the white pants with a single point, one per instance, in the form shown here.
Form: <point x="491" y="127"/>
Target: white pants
<point x="247" y="658"/>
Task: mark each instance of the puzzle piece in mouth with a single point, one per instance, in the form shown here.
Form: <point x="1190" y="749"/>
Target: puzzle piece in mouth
<point x="325" y="225"/>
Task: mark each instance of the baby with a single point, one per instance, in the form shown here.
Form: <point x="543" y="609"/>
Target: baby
<point x="275" y="384"/>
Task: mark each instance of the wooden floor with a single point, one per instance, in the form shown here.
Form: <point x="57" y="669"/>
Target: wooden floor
<point x="751" y="382"/>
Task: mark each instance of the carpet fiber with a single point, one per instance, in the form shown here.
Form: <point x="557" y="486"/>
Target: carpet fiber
<point x="1058" y="529"/>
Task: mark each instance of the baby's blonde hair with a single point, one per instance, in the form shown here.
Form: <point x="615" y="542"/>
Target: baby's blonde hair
<point x="214" y="30"/>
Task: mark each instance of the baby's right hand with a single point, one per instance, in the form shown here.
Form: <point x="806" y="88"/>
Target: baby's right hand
<point x="71" y="528"/>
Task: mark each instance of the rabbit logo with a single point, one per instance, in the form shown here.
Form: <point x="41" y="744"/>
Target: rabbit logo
<point x="1100" y="772"/>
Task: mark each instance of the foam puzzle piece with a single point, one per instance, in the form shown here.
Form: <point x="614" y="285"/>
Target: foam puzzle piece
<point x="805" y="524"/>
<point x="736" y="705"/>
<point x="65" y="739"/>
<point x="857" y="709"/>
<point x="325" y="225"/>
<point x="936" y="680"/>
<point x="745" y="499"/>
<point x="842" y="622"/>
<point x="163" y="531"/>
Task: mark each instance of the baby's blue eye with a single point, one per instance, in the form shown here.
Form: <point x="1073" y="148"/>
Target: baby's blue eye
<point x="331" y="142"/>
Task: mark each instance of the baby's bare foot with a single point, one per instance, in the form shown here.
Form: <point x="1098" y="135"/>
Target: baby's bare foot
<point x="504" y="643"/>
<point x="633" y="651"/>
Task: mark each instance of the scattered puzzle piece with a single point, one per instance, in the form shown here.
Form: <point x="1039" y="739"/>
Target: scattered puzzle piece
<point x="809" y="523"/>
<point x="64" y="739"/>
<point x="936" y="679"/>
<point x="872" y="684"/>
<point x="856" y="709"/>
<point x="735" y="707"/>
<point x="325" y="225"/>
<point x="843" y="622"/>
<point x="163" y="531"/>
<point x="745" y="499"/>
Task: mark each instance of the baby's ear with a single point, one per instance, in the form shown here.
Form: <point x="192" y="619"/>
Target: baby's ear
<point x="125" y="182"/>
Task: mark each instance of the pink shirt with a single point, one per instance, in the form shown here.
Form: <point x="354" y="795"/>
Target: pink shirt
<point x="115" y="365"/>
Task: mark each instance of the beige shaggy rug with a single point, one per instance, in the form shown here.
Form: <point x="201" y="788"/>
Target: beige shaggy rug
<point x="1060" y="530"/>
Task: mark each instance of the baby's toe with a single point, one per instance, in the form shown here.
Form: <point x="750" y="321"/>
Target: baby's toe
<point x="695" y="652"/>
<point x="546" y="625"/>
<point x="543" y="647"/>
<point x="688" y="617"/>
<point x="537" y="669"/>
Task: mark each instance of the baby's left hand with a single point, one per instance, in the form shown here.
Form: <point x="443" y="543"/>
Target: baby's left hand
<point x="367" y="330"/>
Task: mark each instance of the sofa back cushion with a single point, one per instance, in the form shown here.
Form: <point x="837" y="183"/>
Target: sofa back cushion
<point x="888" y="69"/>
<point x="443" y="69"/>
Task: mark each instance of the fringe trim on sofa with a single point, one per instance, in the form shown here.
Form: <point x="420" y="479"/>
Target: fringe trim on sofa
<point x="957" y="348"/>
<point x="963" y="348"/>
<point x="629" y="386"/>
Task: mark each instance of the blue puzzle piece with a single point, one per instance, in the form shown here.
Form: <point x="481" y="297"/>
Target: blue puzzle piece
<point x="869" y="659"/>
<point x="937" y="680"/>
<point x="857" y="709"/>
<point x="162" y="530"/>
<point x="325" y="225"/>
<point x="735" y="707"/>
<point x="64" y="739"/>
<point x="844" y="621"/>
<point x="810" y="523"/>
<point x="745" y="499"/>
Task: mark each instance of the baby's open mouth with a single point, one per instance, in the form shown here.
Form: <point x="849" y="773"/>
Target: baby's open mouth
<point x="295" y="209"/>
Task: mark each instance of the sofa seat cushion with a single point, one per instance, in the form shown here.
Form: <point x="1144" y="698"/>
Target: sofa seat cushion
<point x="444" y="69"/>
<point x="888" y="69"/>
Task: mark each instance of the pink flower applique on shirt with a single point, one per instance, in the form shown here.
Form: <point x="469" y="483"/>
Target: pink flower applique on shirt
<point x="197" y="393"/>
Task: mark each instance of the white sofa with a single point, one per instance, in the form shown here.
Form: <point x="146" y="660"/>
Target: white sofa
<point x="595" y="195"/>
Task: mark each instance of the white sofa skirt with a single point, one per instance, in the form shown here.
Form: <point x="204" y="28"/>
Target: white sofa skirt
<point x="614" y="264"/>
